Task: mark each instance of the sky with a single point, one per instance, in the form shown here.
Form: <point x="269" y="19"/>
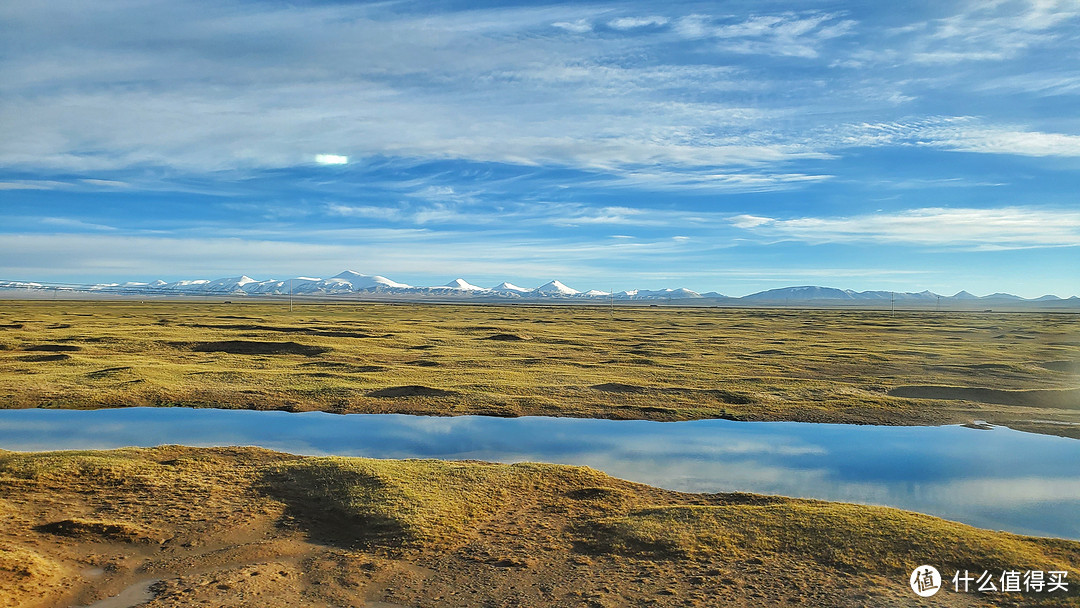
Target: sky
<point x="718" y="146"/>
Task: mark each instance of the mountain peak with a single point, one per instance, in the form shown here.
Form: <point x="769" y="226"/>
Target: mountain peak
<point x="557" y="288"/>
<point x="366" y="281"/>
<point x="463" y="284"/>
<point x="510" y="287"/>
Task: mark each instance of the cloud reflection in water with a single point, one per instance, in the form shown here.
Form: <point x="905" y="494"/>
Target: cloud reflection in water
<point x="999" y="479"/>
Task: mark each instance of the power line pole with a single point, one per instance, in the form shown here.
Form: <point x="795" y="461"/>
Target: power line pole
<point x="290" y="295"/>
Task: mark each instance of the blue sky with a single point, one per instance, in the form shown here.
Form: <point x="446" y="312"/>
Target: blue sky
<point x="722" y="146"/>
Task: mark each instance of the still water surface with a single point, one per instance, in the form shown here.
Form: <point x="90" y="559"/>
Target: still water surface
<point x="999" y="478"/>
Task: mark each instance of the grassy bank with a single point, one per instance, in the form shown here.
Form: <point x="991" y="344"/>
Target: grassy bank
<point x="642" y="363"/>
<point x="249" y="527"/>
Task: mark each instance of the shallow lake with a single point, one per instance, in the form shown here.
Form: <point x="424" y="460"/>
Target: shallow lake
<point x="999" y="478"/>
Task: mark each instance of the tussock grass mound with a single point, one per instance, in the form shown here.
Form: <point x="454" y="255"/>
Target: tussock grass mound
<point x="389" y="503"/>
<point x="505" y="337"/>
<point x="411" y="503"/>
<point x="388" y="518"/>
<point x="851" y="538"/>
<point x="116" y="468"/>
<point x="648" y="363"/>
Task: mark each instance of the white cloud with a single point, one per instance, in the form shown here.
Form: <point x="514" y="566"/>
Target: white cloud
<point x="401" y="254"/>
<point x="629" y="23"/>
<point x="985" y="31"/>
<point x="361" y="81"/>
<point x="1000" y="228"/>
<point x="750" y="221"/>
<point x="217" y="87"/>
<point x="80" y="184"/>
<point x="785" y="34"/>
<point x="32" y="185"/>
<point x="364" y="211"/>
<point x="580" y="26"/>
<point x="959" y="134"/>
<point x="1004" y="141"/>
<point x="106" y="183"/>
<point x="66" y="223"/>
<point x="1044" y="85"/>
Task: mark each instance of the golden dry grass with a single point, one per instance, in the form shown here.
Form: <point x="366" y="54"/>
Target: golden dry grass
<point x="421" y="531"/>
<point x="644" y="363"/>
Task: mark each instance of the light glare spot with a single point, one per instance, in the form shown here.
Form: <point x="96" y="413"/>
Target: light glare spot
<point x="331" y="159"/>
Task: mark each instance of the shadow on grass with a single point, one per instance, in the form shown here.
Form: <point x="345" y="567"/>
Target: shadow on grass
<point x="324" y="502"/>
<point x="253" y="347"/>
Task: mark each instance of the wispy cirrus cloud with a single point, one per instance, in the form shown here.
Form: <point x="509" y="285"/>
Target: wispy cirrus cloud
<point x="518" y="217"/>
<point x="548" y="127"/>
<point x="959" y="134"/>
<point x="414" y="256"/>
<point x="993" y="31"/>
<point x="996" y="228"/>
<point x="786" y="34"/>
<point x="980" y="32"/>
<point x="1007" y="141"/>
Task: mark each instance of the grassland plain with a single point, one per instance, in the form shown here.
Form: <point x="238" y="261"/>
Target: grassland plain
<point x="656" y="363"/>
<point x="249" y="527"/>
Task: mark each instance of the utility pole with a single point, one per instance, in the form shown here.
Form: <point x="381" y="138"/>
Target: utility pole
<point x="290" y="295"/>
<point x="892" y="303"/>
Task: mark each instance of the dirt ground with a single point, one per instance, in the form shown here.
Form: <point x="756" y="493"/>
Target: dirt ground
<point x="248" y="527"/>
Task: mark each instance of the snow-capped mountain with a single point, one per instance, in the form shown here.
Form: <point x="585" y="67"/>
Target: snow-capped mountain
<point x="658" y="294"/>
<point x="362" y="281"/>
<point x="351" y="283"/>
<point x="510" y="288"/>
<point x="556" y="288"/>
<point x="463" y="284"/>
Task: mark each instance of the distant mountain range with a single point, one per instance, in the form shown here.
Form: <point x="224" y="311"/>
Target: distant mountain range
<point x="350" y="283"/>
